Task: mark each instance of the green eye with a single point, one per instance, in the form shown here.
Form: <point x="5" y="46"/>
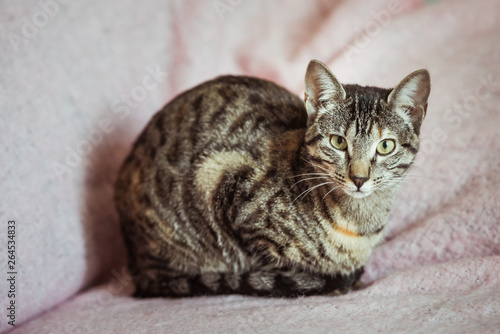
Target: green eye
<point x="386" y="146"/>
<point x="338" y="142"/>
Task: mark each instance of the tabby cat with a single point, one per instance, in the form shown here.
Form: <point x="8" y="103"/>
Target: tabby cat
<point x="239" y="186"/>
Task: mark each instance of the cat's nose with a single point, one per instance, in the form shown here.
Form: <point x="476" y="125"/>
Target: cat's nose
<point x="359" y="172"/>
<point x="358" y="181"/>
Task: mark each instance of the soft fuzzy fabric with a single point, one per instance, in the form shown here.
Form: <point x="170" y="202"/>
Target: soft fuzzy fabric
<point x="80" y="79"/>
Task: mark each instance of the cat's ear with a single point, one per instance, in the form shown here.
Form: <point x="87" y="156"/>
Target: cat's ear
<point x="410" y="96"/>
<point x="322" y="88"/>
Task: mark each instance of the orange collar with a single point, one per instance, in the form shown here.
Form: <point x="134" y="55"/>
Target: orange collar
<point x="346" y="231"/>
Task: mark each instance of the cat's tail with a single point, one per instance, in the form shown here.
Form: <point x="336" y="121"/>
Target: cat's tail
<point x="274" y="283"/>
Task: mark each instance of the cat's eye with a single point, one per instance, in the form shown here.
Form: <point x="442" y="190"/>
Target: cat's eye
<point x="386" y="146"/>
<point x="338" y="142"/>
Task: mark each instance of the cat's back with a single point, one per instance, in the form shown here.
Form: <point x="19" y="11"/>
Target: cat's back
<point x="224" y="114"/>
<point x="230" y="108"/>
<point x="232" y="118"/>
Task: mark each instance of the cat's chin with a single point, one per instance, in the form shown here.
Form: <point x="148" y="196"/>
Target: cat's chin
<point x="357" y="193"/>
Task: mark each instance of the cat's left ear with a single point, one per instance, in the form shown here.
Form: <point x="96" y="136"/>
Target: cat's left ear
<point x="322" y="88"/>
<point x="410" y="96"/>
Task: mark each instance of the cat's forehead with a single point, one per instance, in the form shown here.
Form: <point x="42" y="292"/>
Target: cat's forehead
<point x="372" y="131"/>
<point x="365" y="103"/>
<point x="364" y="112"/>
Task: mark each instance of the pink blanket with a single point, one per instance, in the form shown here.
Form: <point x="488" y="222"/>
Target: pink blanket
<point x="79" y="79"/>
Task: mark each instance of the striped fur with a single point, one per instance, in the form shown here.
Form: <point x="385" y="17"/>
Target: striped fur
<point x="234" y="187"/>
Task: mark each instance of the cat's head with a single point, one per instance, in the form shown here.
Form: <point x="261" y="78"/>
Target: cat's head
<point x="365" y="138"/>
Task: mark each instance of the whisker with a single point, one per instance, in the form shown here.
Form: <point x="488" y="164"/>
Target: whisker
<point x="307" y="191"/>
<point x="390" y="183"/>
<point x="310" y="178"/>
<point x="308" y="174"/>
<point x="413" y="177"/>
<point x="330" y="192"/>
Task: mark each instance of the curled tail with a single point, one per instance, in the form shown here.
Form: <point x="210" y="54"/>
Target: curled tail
<point x="272" y="283"/>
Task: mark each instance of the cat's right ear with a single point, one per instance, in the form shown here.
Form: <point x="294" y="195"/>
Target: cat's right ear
<point x="322" y="88"/>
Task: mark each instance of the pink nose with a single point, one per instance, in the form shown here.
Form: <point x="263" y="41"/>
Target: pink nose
<point x="359" y="181"/>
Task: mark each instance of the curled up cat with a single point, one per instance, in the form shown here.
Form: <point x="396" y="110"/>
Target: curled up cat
<point x="239" y="186"/>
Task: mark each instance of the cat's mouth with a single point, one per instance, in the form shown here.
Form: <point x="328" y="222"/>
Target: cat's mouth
<point x="357" y="193"/>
